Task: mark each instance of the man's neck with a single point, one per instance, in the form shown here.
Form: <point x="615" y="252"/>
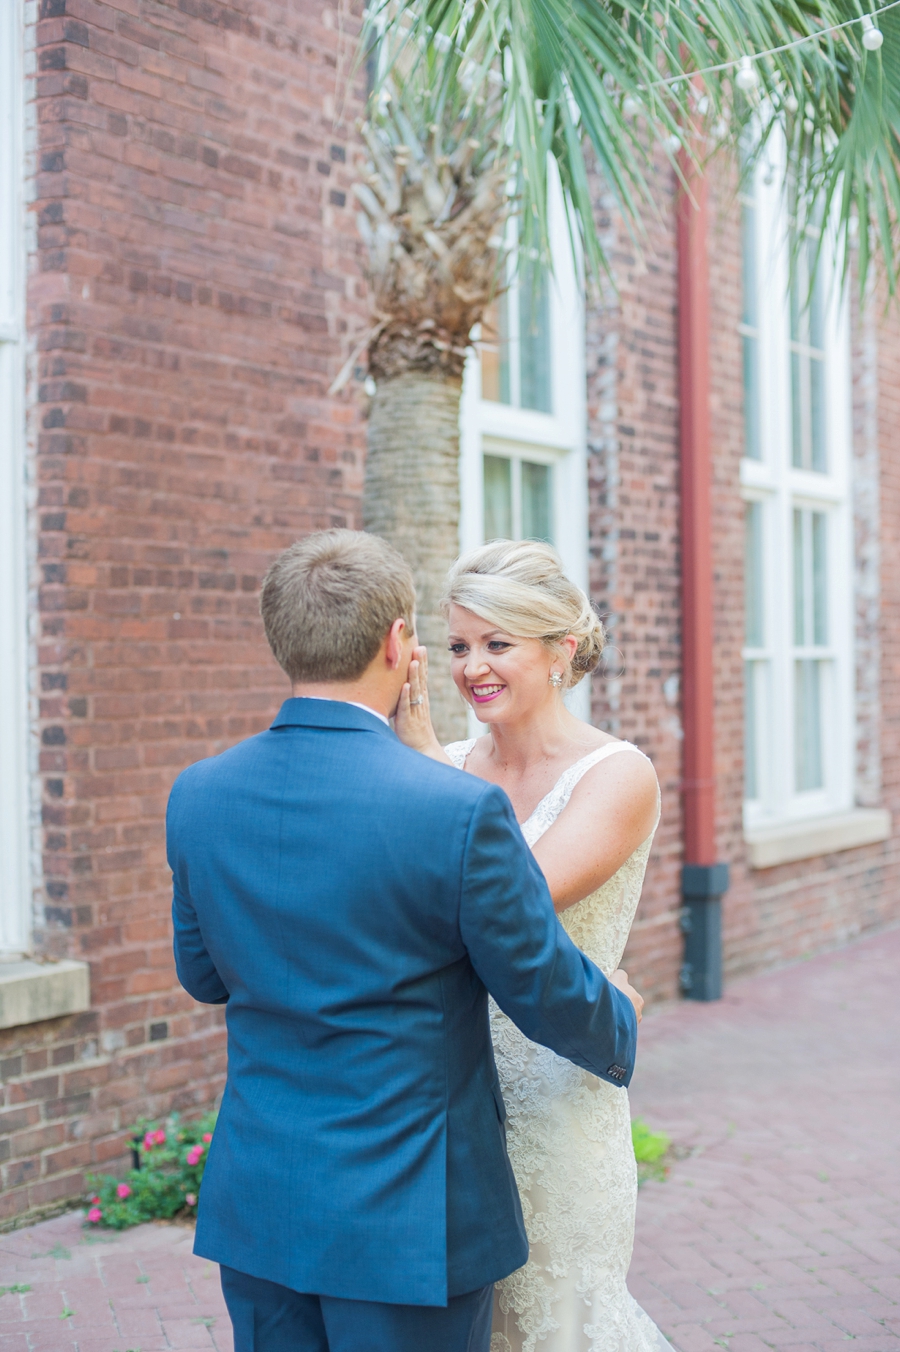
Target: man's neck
<point x="347" y="692"/>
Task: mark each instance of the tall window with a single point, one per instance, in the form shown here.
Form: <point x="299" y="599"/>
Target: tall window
<point x="14" y="889"/>
<point x="798" y="620"/>
<point x="522" y="422"/>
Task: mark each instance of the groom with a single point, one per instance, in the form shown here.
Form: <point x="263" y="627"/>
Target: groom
<point x="352" y="903"/>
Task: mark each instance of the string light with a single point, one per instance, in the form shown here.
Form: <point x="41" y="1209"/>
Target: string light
<point x="872" y="36"/>
<point x="872" y="39"/>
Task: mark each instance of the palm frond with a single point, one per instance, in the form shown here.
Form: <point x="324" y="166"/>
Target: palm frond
<point x="434" y="207"/>
<point x="632" y="77"/>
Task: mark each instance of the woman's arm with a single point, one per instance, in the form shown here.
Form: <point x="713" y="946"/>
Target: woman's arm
<point x="611" y="812"/>
<point x="538" y="977"/>
<point x="412" y="721"/>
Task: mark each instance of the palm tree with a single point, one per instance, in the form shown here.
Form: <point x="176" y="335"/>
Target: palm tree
<point x="435" y="206"/>
<point x="472" y="102"/>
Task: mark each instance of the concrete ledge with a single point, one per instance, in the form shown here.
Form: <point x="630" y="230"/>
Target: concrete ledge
<point x="33" y="991"/>
<point x="771" y="845"/>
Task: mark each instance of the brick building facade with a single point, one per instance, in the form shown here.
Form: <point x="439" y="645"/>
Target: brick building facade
<point x="771" y="915"/>
<point x="193" y="282"/>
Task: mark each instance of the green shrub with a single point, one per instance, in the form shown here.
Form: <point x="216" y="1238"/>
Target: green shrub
<point x="172" y="1157"/>
<point x="650" y="1150"/>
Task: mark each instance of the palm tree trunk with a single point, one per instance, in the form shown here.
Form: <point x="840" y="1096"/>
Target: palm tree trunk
<point x="412" y="500"/>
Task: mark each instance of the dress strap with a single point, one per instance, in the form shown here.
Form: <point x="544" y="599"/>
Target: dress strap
<point x="570" y="776"/>
<point x="565" y="785"/>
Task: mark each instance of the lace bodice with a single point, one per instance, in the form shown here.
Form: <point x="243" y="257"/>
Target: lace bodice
<point x="600" y="923"/>
<point x="569" y="1140"/>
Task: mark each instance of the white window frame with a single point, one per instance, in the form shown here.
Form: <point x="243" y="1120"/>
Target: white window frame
<point x="15" y="872"/>
<point x="558" y="438"/>
<point x="779" y="487"/>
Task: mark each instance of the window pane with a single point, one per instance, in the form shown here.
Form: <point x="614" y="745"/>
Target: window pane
<point x="752" y="447"/>
<point x="497" y="498"/>
<point x="798" y="333"/>
<point x="490" y="373"/>
<point x="817" y="299"/>
<point x="534" y="337"/>
<point x="753" y="576"/>
<point x="796" y="411"/>
<point x="819" y="579"/>
<point x="536" y="502"/>
<point x="495" y="352"/>
<point x="799" y="581"/>
<point x="809" y="447"/>
<point x="808" y="725"/>
<point x="748" y="264"/>
<point x="817" y="414"/>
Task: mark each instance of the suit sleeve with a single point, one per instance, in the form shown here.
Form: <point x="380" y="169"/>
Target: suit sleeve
<point x="521" y="952"/>
<point x="196" y="969"/>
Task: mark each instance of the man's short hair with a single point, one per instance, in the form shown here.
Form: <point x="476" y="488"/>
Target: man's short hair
<point x="328" y="602"/>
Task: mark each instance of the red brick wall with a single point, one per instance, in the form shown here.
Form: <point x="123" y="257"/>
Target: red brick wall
<point x="195" y="280"/>
<point x="774" y="915"/>
<point x="196" y="273"/>
<point x="633" y="488"/>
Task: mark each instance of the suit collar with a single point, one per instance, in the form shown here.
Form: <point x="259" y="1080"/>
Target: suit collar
<point x="328" y="713"/>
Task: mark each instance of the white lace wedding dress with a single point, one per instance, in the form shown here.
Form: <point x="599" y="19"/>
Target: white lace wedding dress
<point x="569" y="1139"/>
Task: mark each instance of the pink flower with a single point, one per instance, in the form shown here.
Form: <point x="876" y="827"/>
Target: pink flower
<point x="194" y="1154"/>
<point x="191" y="1199"/>
<point x="207" y="1136"/>
<point x="94" y="1215"/>
<point x="159" y="1137"/>
<point x="123" y="1190"/>
<point x="148" y="1141"/>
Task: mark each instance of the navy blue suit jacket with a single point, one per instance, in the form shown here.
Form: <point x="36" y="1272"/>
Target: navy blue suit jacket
<point x="353" y="902"/>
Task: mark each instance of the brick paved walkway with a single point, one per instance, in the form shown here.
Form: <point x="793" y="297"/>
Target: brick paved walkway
<point x="780" y="1229"/>
<point x="140" y="1290"/>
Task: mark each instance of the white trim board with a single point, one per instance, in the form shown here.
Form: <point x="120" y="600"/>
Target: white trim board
<point x="15" y="881"/>
<point x="768" y="846"/>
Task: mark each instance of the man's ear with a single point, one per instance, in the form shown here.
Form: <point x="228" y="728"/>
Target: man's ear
<point x="393" y="651"/>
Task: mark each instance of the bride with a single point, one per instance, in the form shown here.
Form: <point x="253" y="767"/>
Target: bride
<point x="521" y="634"/>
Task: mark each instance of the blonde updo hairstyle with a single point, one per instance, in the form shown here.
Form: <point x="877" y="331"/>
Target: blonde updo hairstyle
<point x="520" y="587"/>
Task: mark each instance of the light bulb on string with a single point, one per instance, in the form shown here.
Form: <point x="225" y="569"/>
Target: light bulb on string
<point x="747" y="76"/>
<point x="872" y="37"/>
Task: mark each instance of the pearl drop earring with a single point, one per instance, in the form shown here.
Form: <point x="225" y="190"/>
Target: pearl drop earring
<point x="556" y="679"/>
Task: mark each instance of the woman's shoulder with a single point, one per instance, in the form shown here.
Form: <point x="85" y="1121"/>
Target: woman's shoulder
<point x="459" y="751"/>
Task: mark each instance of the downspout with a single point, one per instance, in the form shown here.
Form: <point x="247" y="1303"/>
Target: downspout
<point x="703" y="880"/>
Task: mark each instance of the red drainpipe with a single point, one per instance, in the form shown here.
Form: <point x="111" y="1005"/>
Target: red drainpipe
<point x="704" y="881"/>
